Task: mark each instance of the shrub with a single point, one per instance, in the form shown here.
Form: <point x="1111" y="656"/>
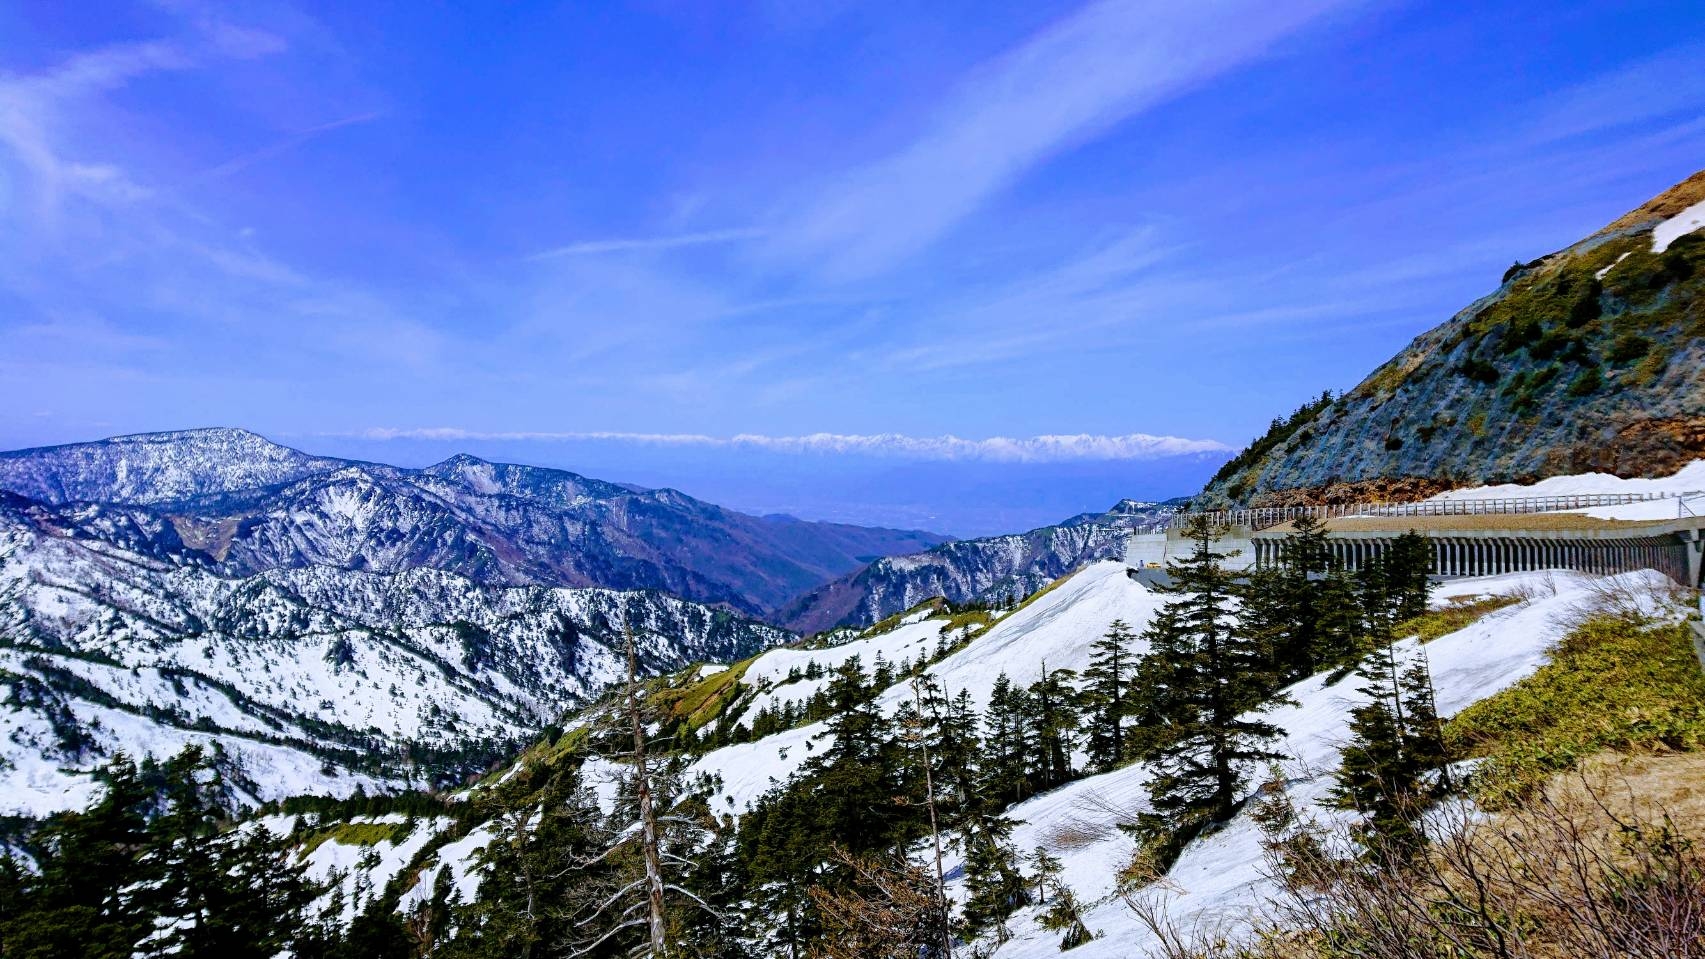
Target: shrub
<point x="1520" y="334"/>
<point x="1477" y="370"/>
<point x="1589" y="382"/>
<point x="1628" y="348"/>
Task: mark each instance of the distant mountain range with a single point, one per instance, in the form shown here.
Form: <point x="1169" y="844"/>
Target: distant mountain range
<point x="236" y="504"/>
<point x="1590" y="359"/>
<point x="325" y="625"/>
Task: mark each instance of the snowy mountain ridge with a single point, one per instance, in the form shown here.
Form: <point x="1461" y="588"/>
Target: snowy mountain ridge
<point x="239" y="504"/>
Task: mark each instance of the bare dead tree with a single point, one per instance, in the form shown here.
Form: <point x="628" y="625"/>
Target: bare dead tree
<point x="887" y="911"/>
<point x="627" y="905"/>
<point x="647" y="814"/>
<point x="916" y="734"/>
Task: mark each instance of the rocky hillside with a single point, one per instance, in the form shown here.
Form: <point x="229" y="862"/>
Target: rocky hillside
<point x="974" y="570"/>
<point x="1588" y="359"/>
<point x="308" y="679"/>
<point x="238" y="505"/>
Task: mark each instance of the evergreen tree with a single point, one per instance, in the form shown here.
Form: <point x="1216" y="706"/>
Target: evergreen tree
<point x="1301" y="610"/>
<point x="1396" y="740"/>
<point x="1065" y="916"/>
<point x="1106" y="695"/>
<point x="995" y="887"/>
<point x="1211" y="676"/>
<point x="1053" y="726"/>
<point x="76" y="903"/>
<point x="1408" y="562"/>
<point x="843" y="799"/>
<point x="1003" y="774"/>
<point x="534" y="870"/>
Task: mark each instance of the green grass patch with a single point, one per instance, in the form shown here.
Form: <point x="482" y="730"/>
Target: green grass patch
<point x="700" y="703"/>
<point x="1458" y="614"/>
<point x="351" y="834"/>
<point x="979" y="618"/>
<point x="1611" y="685"/>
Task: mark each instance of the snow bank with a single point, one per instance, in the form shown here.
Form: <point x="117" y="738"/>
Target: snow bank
<point x="1689" y="479"/>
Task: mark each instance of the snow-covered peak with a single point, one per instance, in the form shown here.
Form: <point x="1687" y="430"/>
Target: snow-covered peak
<point x="155" y="467"/>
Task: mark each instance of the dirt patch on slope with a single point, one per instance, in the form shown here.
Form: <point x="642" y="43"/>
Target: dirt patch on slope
<point x="1644" y="448"/>
<point x="1398" y="489"/>
<point x="1664" y="205"/>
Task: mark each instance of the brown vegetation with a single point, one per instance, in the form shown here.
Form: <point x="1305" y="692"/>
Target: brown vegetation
<point x="1383" y="489"/>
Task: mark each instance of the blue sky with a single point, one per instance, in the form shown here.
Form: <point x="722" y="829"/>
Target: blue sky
<point x="773" y="253"/>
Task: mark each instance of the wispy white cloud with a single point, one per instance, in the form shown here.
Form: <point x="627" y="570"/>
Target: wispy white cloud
<point x="287" y="144"/>
<point x="1668" y="83"/>
<point x="1073" y="81"/>
<point x="648" y="243"/>
<point x="1034" y="449"/>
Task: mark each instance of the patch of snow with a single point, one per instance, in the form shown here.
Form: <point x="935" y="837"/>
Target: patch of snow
<point x="358" y="873"/>
<point x="1601" y="274"/>
<point x="1678" y="226"/>
<point x="462" y="859"/>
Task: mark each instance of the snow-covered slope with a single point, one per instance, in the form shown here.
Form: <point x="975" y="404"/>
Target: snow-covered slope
<point x="1219" y="876"/>
<point x="1056" y="629"/>
<point x="310" y="679"/>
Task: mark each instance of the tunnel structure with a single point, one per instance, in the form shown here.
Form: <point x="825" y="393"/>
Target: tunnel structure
<point x="1485" y="545"/>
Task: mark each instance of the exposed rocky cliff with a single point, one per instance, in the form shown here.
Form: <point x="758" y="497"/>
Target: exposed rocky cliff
<point x="1588" y="359"/>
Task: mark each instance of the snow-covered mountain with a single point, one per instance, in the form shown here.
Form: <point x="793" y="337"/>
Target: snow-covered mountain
<point x="981" y="570"/>
<point x="239" y="504"/>
<point x="116" y="635"/>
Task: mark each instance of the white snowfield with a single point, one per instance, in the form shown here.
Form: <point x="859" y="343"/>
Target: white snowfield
<point x="1219" y="877"/>
<point x="1055" y="630"/>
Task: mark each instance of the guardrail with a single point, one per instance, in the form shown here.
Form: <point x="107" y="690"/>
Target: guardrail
<point x="1265" y="517"/>
<point x="1690" y="504"/>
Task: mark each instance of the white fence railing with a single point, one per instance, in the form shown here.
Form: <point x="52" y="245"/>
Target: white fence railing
<point x="1264" y="517"/>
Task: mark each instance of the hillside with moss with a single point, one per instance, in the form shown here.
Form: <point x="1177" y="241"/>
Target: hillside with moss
<point x="1590" y="359"/>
